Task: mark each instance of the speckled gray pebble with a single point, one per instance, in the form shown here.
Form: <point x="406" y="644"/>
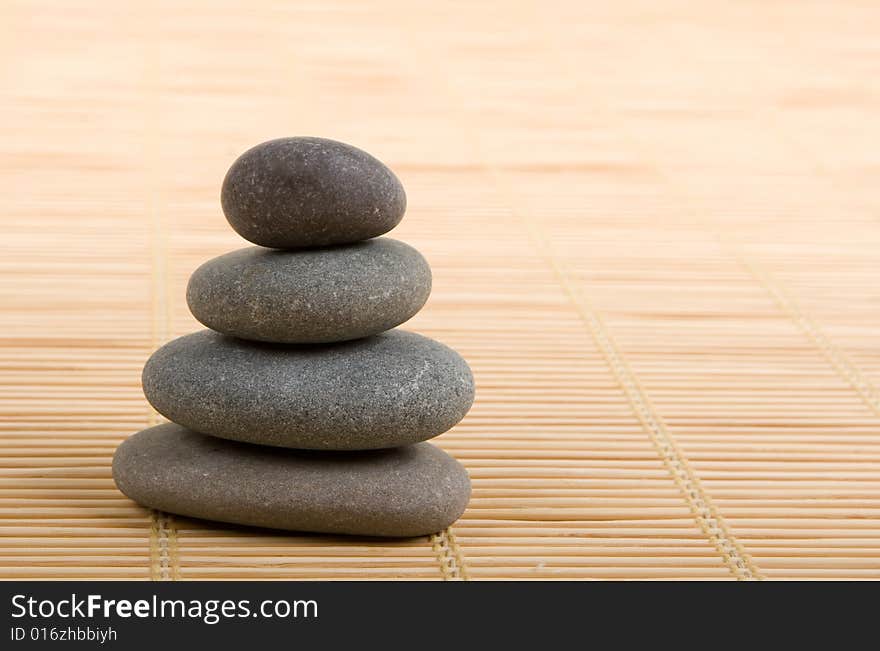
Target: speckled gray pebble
<point x="311" y="296"/>
<point x="410" y="491"/>
<point x="300" y="192"/>
<point x="386" y="390"/>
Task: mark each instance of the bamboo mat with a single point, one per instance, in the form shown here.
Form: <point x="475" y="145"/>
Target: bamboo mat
<point x="654" y="229"/>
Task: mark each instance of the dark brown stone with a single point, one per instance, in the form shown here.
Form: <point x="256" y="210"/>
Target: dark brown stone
<point x="409" y="491"/>
<point x="390" y="389"/>
<point x="311" y="296"/>
<point x="301" y="192"/>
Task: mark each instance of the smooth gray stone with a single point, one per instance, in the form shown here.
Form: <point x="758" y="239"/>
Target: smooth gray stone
<point x="297" y="192"/>
<point x="311" y="296"/>
<point x="410" y="491"/>
<point x="383" y="391"/>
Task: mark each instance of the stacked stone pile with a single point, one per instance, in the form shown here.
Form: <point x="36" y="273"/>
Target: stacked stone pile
<point x="301" y="407"/>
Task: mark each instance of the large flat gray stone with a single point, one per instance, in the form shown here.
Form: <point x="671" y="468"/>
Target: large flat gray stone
<point x="409" y="491"/>
<point x="386" y="390"/>
<point x="313" y="295"/>
<point x="297" y="192"/>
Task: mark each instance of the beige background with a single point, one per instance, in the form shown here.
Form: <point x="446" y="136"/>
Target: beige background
<point x="654" y="230"/>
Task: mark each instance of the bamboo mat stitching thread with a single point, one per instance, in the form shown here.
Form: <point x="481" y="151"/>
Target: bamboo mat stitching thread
<point x="452" y="565"/>
<point x="786" y="302"/>
<point x="838" y="360"/>
<point x="163" y="547"/>
<point x="163" y="531"/>
<point x="164" y="564"/>
<point x="703" y="510"/>
<point x="848" y="371"/>
<point x="836" y="357"/>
